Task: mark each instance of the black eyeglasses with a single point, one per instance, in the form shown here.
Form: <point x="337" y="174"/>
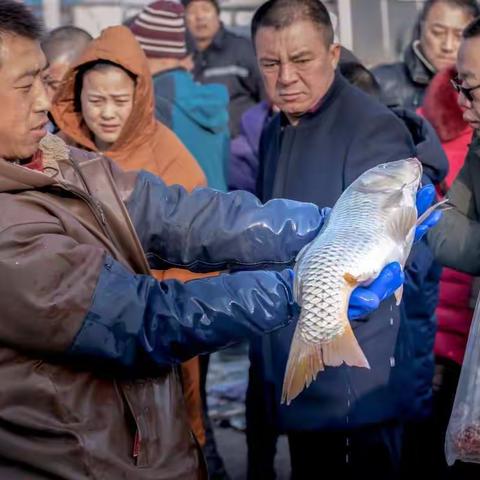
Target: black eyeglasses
<point x="466" y="92"/>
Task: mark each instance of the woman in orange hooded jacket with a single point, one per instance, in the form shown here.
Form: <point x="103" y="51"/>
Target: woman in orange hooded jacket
<point x="106" y="104"/>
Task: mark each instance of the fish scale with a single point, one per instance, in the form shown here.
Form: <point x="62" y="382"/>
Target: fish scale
<point x="371" y="225"/>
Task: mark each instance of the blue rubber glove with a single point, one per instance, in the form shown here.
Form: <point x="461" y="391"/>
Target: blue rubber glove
<point x="425" y="198"/>
<point x="364" y="300"/>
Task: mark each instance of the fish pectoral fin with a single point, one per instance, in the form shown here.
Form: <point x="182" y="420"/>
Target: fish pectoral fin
<point x="403" y="224"/>
<point x="304" y="362"/>
<point x="362" y="278"/>
<point x="398" y="295"/>
<point x="344" y="348"/>
<point x="350" y="279"/>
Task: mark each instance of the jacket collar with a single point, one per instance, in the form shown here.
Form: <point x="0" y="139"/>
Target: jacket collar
<point x="420" y="69"/>
<point x="336" y="87"/>
<point x="218" y="41"/>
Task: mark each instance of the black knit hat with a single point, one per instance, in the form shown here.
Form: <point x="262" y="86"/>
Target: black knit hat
<point x="186" y="3"/>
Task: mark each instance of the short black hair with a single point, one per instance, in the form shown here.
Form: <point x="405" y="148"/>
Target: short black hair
<point x="280" y="14"/>
<point x="17" y="19"/>
<point x="472" y="29"/>
<point x="471" y="7"/>
<point x="66" y="40"/>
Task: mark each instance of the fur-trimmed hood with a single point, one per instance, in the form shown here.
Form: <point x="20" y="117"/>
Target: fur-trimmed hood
<point x="441" y="109"/>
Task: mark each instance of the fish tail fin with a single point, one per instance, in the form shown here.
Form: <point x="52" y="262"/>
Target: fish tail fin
<point x="344" y="348"/>
<point x="304" y="362"/>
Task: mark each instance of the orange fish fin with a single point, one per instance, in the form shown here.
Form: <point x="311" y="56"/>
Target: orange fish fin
<point x="350" y="279"/>
<point x="344" y="348"/>
<point x="399" y="295"/>
<point x="304" y="362"/>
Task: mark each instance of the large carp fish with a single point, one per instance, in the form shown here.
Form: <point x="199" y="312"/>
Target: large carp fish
<point x="371" y="225"/>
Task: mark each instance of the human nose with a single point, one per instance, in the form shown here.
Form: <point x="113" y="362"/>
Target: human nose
<point x="463" y="101"/>
<point x="449" y="42"/>
<point x="108" y="110"/>
<point x="42" y="99"/>
<point x="287" y="73"/>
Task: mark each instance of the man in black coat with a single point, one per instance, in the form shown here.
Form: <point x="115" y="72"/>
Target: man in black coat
<point x="222" y="56"/>
<point x="327" y="134"/>
<point x="435" y="47"/>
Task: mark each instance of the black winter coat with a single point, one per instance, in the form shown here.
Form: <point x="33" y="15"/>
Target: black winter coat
<point x="404" y="83"/>
<point x="230" y="60"/>
<point x="315" y="161"/>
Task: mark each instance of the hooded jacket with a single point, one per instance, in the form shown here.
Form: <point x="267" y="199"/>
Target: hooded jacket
<point x="144" y="143"/>
<point x="198" y="114"/>
<point x="88" y="388"/>
<point x="457" y="297"/>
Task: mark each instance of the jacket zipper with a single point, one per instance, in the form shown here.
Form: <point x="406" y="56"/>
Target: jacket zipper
<point x="97" y="210"/>
<point x="93" y="204"/>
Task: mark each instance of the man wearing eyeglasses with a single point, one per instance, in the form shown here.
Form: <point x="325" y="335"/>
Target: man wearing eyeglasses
<point x="456" y="244"/>
<point x="456" y="240"/>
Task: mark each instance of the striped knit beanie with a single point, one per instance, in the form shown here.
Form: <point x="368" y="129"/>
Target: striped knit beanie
<point x="160" y="29"/>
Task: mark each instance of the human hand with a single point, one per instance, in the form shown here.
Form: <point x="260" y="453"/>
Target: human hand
<point x="425" y="198"/>
<point x="365" y="300"/>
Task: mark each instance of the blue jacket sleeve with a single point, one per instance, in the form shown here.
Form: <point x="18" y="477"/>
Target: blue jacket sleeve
<point x="208" y="230"/>
<point x="133" y="315"/>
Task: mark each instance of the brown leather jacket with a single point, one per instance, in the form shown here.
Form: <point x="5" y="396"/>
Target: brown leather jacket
<point x="73" y="422"/>
<point x="143" y="144"/>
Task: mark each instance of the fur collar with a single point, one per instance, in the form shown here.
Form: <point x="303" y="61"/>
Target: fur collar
<point x="441" y="109"/>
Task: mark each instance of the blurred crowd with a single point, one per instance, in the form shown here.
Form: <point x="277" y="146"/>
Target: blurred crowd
<point x="288" y="113"/>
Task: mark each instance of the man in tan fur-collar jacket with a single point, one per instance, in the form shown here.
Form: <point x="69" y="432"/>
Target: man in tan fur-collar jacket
<point x="88" y="339"/>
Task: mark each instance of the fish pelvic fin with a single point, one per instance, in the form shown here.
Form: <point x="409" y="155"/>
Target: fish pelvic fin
<point x="344" y="348"/>
<point x="304" y="363"/>
<point x="399" y="295"/>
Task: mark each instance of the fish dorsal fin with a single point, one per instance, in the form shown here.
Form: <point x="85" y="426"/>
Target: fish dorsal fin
<point x="402" y="224"/>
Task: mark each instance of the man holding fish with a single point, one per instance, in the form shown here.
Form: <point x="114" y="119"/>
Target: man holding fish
<point x="327" y="134"/>
<point x="90" y="340"/>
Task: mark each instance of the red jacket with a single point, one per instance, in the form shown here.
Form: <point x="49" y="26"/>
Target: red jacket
<point x="454" y="310"/>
